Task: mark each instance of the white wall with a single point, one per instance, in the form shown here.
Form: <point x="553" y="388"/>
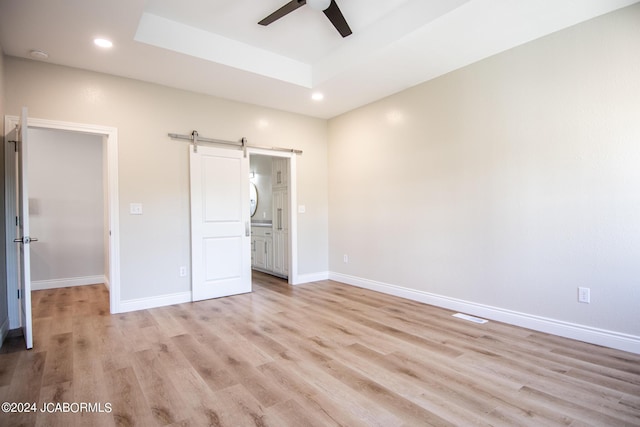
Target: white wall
<point x="67" y="211"/>
<point x="153" y="169"/>
<point x="507" y="183"/>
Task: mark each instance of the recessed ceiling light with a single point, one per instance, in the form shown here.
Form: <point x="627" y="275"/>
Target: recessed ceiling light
<point x="103" y="43"/>
<point x="317" y="96"/>
<point x="39" y="54"/>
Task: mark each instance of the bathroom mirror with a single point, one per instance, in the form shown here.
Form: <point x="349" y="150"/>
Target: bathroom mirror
<point x="253" y="198"/>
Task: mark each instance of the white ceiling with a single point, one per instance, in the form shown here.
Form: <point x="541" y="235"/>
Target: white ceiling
<point x="216" y="46"/>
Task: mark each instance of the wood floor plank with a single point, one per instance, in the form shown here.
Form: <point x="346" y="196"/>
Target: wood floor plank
<point x="25" y="388"/>
<point x="577" y="383"/>
<point x="250" y="352"/>
<point x="129" y="405"/>
<point x="52" y="395"/>
<point x="89" y="385"/>
<point x="403" y="382"/>
<point x="116" y="353"/>
<point x="168" y="323"/>
<point x="170" y="355"/>
<point x="212" y="371"/>
<point x="321" y="354"/>
<point x="590" y="377"/>
<point x="343" y="331"/>
<point x="243" y="409"/>
<point x="359" y="404"/>
<point x="355" y="404"/>
<point x="291" y="414"/>
<point x="8" y="368"/>
<point x="431" y="382"/>
<point x="59" y="365"/>
<point x="314" y="403"/>
<point x="380" y="395"/>
<point x="265" y="392"/>
<point x="42" y="327"/>
<point x="166" y="403"/>
<point x="583" y="413"/>
<point x="573" y="390"/>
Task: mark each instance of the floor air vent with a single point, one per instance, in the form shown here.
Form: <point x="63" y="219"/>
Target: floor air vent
<point x="470" y="318"/>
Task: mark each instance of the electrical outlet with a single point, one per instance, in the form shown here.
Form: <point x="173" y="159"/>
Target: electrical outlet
<point x="345" y="258"/>
<point x="584" y="295"/>
<point x="183" y="271"/>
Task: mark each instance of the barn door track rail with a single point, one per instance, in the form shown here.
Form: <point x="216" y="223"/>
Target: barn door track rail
<point x="196" y="139"/>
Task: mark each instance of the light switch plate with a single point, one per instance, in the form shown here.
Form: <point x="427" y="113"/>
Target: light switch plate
<point x="135" y="208"/>
<point x="584" y="295"/>
<point x="302" y="209"/>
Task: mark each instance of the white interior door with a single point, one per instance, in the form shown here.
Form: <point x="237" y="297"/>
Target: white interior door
<point x="220" y="228"/>
<point x="23" y="241"/>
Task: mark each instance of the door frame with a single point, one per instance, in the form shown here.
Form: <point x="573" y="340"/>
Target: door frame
<point x="110" y="138"/>
<point x="293" y="202"/>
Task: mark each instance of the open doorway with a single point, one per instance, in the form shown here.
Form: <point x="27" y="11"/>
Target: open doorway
<point x="110" y="217"/>
<point x="67" y="209"/>
<point x="226" y="244"/>
<point x="67" y="212"/>
<point x="272" y="224"/>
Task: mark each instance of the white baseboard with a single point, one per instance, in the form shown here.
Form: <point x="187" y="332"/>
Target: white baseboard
<point x="311" y="277"/>
<point x="38" y="285"/>
<point x="154" y="302"/>
<point x="4" y="330"/>
<point x="612" y="339"/>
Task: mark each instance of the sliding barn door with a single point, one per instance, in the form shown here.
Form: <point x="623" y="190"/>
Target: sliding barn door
<point x="220" y="228"/>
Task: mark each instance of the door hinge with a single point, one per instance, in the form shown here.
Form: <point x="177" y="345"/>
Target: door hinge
<point x="18" y="293"/>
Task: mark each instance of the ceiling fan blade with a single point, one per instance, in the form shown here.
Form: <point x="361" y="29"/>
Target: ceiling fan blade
<point x="337" y="19"/>
<point x="284" y="10"/>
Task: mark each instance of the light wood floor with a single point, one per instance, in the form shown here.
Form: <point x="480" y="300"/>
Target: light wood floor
<point x="322" y="354"/>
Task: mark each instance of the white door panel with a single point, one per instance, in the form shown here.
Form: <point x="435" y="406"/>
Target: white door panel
<point x="221" y="247"/>
<point x="220" y="257"/>
<point x="23" y="241"/>
<point x="220" y="182"/>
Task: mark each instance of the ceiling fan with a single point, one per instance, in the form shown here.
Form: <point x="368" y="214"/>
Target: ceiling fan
<point x="329" y="7"/>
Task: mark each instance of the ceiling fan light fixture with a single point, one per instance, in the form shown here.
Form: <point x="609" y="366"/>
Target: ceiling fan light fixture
<point x="319" y="4"/>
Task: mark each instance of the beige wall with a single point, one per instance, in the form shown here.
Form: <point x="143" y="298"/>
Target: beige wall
<point x="507" y="183"/>
<point x="153" y="170"/>
<point x="66" y="206"/>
